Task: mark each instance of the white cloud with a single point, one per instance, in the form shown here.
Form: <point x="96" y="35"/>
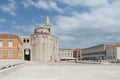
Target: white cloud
<point x="70" y="2"/>
<point x="42" y="4"/>
<point x="2" y="20"/>
<point x="27" y="3"/>
<point x="54" y="6"/>
<point x="100" y="25"/>
<point x="19" y="28"/>
<point x="9" y="7"/>
<point x="13" y="22"/>
<point x="90" y="3"/>
<point x="95" y="3"/>
<point x="27" y="29"/>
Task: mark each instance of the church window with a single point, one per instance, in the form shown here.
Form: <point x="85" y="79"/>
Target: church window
<point x="49" y="30"/>
<point x="24" y="40"/>
<point x="28" y="40"/>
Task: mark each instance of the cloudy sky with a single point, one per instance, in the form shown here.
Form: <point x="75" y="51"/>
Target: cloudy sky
<point x="77" y="23"/>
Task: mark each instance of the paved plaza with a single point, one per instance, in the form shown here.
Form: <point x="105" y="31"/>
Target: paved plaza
<point x="64" y="71"/>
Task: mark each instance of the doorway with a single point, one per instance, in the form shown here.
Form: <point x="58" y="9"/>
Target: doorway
<point x="27" y="54"/>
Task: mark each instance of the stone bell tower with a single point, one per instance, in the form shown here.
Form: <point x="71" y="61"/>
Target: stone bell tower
<point x="48" y="24"/>
<point x="45" y="29"/>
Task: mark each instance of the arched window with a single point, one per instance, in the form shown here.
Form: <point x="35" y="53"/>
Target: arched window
<point x="24" y="40"/>
<point x="27" y="40"/>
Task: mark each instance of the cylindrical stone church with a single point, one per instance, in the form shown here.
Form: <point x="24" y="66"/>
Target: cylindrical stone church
<point x="42" y="46"/>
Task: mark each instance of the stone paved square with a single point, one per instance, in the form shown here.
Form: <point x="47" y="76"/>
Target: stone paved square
<point x="68" y="71"/>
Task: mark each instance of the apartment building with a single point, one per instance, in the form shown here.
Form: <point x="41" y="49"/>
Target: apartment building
<point x="66" y="54"/>
<point x="77" y="53"/>
<point x="10" y="47"/>
<point x="113" y="52"/>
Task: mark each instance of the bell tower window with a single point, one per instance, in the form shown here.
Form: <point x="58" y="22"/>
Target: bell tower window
<point x="24" y="40"/>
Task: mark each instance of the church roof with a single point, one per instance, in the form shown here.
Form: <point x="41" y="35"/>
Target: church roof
<point x="47" y="23"/>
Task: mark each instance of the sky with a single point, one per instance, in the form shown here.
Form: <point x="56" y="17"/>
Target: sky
<point x="77" y="23"/>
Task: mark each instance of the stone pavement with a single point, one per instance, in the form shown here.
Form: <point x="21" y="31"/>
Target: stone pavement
<point x="65" y="72"/>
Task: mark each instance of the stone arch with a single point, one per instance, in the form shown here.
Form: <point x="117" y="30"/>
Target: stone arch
<point x="27" y="54"/>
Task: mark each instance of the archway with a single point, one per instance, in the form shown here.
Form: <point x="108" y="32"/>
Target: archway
<point x="27" y="54"/>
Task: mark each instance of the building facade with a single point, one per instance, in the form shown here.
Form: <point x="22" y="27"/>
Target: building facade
<point x="66" y="54"/>
<point x="109" y="52"/>
<point x="10" y="47"/>
<point x="27" y="48"/>
<point x="77" y="54"/>
<point x="94" y="53"/>
<point x="113" y="52"/>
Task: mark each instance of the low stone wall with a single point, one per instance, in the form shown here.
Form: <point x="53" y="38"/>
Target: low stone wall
<point x="5" y="64"/>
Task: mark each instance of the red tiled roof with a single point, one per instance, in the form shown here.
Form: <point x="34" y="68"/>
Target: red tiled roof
<point x="114" y="45"/>
<point x="7" y="35"/>
<point x="65" y="49"/>
<point x="78" y="49"/>
<point x="3" y="35"/>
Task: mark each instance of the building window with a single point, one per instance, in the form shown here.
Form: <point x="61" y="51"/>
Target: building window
<point x="71" y="54"/>
<point x="10" y="54"/>
<point x="1" y="54"/>
<point x="10" y="43"/>
<point x="113" y="56"/>
<point x="27" y="40"/>
<point x="0" y="43"/>
<point x="68" y="55"/>
<point x="24" y="40"/>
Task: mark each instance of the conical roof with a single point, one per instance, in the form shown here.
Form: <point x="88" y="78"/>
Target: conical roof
<point x="47" y="23"/>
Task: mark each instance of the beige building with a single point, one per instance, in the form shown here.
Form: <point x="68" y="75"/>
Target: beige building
<point x="113" y="52"/>
<point x="41" y="46"/>
<point x="66" y="54"/>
